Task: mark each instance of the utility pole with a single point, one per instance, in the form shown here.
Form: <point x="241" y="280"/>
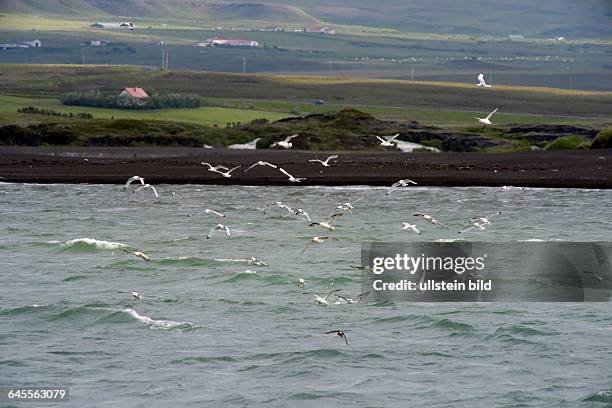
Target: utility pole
<point x="163" y="66"/>
<point x="83" y="54"/>
<point x="166" y="59"/>
<point x="412" y="72"/>
<point x="244" y="60"/>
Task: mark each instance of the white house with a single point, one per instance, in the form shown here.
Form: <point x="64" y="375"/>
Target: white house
<point x="21" y="44"/>
<point x="227" y="42"/>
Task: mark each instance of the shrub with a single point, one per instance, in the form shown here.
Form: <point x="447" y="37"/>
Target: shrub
<point x="112" y="101"/>
<point x="603" y="140"/>
<point x="568" y="143"/>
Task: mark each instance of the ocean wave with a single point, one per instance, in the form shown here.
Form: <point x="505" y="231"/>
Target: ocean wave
<point x="600" y="396"/>
<point x="84" y="244"/>
<point x="457" y="328"/>
<point x="187" y="261"/>
<point x="161" y="324"/>
<point x="16" y="311"/>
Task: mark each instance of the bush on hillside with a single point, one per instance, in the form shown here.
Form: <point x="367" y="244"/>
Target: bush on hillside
<point x="568" y="143"/>
<point x="109" y="101"/>
<point x="603" y="140"/>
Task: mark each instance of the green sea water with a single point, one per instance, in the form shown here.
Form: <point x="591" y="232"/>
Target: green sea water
<point x="216" y="331"/>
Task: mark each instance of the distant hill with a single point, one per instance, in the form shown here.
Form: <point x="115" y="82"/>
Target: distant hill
<point x="542" y="18"/>
<point x="192" y="10"/>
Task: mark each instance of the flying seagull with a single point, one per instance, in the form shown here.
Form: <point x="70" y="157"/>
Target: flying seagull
<point x="214" y="168"/>
<point x="127" y="24"/>
<point x="218" y="214"/>
<point x="147" y="187"/>
<point x="388" y="141"/>
<point x="141" y="255"/>
<point x="487" y="120"/>
<point x="261" y="163"/>
<point x="340" y="334"/>
<point x="135" y="295"/>
<point x="228" y="173"/>
<point x="323" y="300"/>
<point x="324" y="163"/>
<point x="301" y="281"/>
<point x="133" y="179"/>
<point x="291" y="178"/>
<point x="411" y="227"/>
<point x="401" y="183"/>
<point x="479" y="223"/>
<point x="429" y="218"/>
<point x="358" y="299"/>
<point x="219" y="227"/>
<point x="348" y="206"/>
<point x="279" y="204"/>
<point x="286" y="144"/>
<point x="257" y="262"/>
<point x="481" y="81"/>
<point x="327" y="223"/>
<point x="315" y="240"/>
<point x="303" y="213"/>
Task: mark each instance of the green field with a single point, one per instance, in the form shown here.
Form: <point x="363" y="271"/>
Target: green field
<point x="204" y="116"/>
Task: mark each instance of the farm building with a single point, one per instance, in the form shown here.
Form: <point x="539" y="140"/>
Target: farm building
<point x="21" y="44"/>
<point x="133" y="97"/>
<point x="273" y="29"/>
<point x="227" y="42"/>
<point x="105" y="25"/>
<point x="97" y="43"/>
<point x="320" y="30"/>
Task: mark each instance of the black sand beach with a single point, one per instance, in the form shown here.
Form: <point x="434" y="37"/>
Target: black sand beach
<point x="572" y="169"/>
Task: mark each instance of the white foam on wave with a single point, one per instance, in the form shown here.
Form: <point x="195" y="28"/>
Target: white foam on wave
<point x="95" y="243"/>
<point x="158" y="324"/>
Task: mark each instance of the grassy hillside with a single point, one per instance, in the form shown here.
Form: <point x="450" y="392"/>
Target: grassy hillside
<point x="53" y="81"/>
<point x="158" y="9"/>
<point x="544" y="18"/>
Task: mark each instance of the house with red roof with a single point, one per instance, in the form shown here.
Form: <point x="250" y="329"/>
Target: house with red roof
<point x="133" y="96"/>
<point x="136" y="93"/>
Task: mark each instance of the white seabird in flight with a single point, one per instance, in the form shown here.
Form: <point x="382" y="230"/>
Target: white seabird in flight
<point x="228" y="173"/>
<point x="147" y="187"/>
<point x="411" y="227"/>
<point x="279" y="204"/>
<point x="135" y="295"/>
<point x="479" y="222"/>
<point x="217" y="213"/>
<point x="481" y="81"/>
<point x="401" y="183"/>
<point x="219" y="227"/>
<point x="360" y="298"/>
<point x="327" y="223"/>
<point x="291" y="178"/>
<point x="388" y="141"/>
<point x="302" y="213"/>
<point x="324" y="163"/>
<point x="286" y="144"/>
<point x="127" y="24"/>
<point x="315" y="240"/>
<point x="133" y="179"/>
<point x="323" y="300"/>
<point x="429" y="218"/>
<point x="261" y="163"/>
<point x="487" y="120"/>
<point x="214" y="168"/>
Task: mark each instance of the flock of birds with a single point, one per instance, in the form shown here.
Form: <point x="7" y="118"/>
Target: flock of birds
<point x="327" y="223"/>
